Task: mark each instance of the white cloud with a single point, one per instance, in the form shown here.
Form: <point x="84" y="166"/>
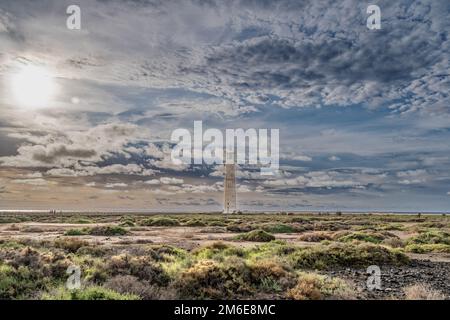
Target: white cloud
<point x="116" y="185"/>
<point x="152" y="182"/>
<point x="295" y="156"/>
<point x="169" y="180"/>
<point x="413" y="176"/>
<point x="318" y="179"/>
<point x="82" y="171"/>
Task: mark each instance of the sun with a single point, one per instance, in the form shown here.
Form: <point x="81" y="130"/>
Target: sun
<point x="33" y="87"/>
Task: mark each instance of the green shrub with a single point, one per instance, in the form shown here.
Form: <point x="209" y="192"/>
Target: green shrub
<point x="15" y="219"/>
<point x="165" y="252"/>
<point x="330" y="226"/>
<point x="218" y="251"/>
<point x="391" y="227"/>
<point x="164" y="222"/>
<point x="195" y="223"/>
<point x="89" y="293"/>
<point x="107" y="231"/>
<point x="40" y="264"/>
<point x="346" y="255"/>
<point x="82" y="221"/>
<point x="216" y="223"/>
<point x="75" y="232"/>
<point x="19" y="283"/>
<point x="11" y="244"/>
<point x="256" y="236"/>
<point x="362" y="236"/>
<point x="431" y="237"/>
<point x="279" y="228"/>
<point x="127" y="223"/>
<point x="426" y="248"/>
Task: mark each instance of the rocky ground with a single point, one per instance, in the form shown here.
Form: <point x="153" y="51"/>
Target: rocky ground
<point x="394" y="279"/>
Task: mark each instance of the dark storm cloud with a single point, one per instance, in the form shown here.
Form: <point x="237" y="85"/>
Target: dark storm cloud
<point x="274" y="63"/>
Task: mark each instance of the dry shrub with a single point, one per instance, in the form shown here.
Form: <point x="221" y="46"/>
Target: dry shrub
<point x="208" y="279"/>
<point x="142" y="267"/>
<point x="32" y="229"/>
<point x="46" y="264"/>
<point x="271" y="275"/>
<point x="256" y="236"/>
<point x="394" y="242"/>
<point x="13" y="227"/>
<point x="87" y="293"/>
<point x="312" y="286"/>
<point x="95" y="250"/>
<point x="131" y="285"/>
<point x="267" y="268"/>
<point x="238" y="227"/>
<point x="315" y="236"/>
<point x="107" y="231"/>
<point x="163" y="252"/>
<point x="422" y="292"/>
<point x="70" y="244"/>
<point x="330" y="226"/>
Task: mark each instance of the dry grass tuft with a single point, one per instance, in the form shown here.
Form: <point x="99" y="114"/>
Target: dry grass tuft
<point x="422" y="292"/>
<point x="312" y="286"/>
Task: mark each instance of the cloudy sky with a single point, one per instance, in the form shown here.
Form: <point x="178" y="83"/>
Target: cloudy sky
<point x="364" y="115"/>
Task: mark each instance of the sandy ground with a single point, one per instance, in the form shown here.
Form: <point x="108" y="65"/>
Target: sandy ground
<point x="183" y="237"/>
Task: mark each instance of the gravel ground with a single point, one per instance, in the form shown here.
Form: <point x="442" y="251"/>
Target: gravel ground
<point x="394" y="279"/>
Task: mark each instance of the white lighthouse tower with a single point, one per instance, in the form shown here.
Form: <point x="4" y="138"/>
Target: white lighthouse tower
<point x="229" y="205"/>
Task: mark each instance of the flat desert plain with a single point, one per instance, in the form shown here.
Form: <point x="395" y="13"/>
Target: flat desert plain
<point x="215" y="256"/>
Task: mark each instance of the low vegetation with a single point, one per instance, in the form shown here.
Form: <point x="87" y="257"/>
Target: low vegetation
<point x="347" y="255"/>
<point x="364" y="236"/>
<point x="163" y="222"/>
<point x="256" y="236"/>
<point x="316" y="236"/>
<point x="431" y="237"/>
<point x="98" y="231"/>
<point x="89" y="293"/>
<point x="132" y="268"/>
<point x="422" y="292"/>
<point x="312" y="286"/>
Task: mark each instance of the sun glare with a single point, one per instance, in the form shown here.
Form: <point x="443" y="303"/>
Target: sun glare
<point x="33" y="87"/>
